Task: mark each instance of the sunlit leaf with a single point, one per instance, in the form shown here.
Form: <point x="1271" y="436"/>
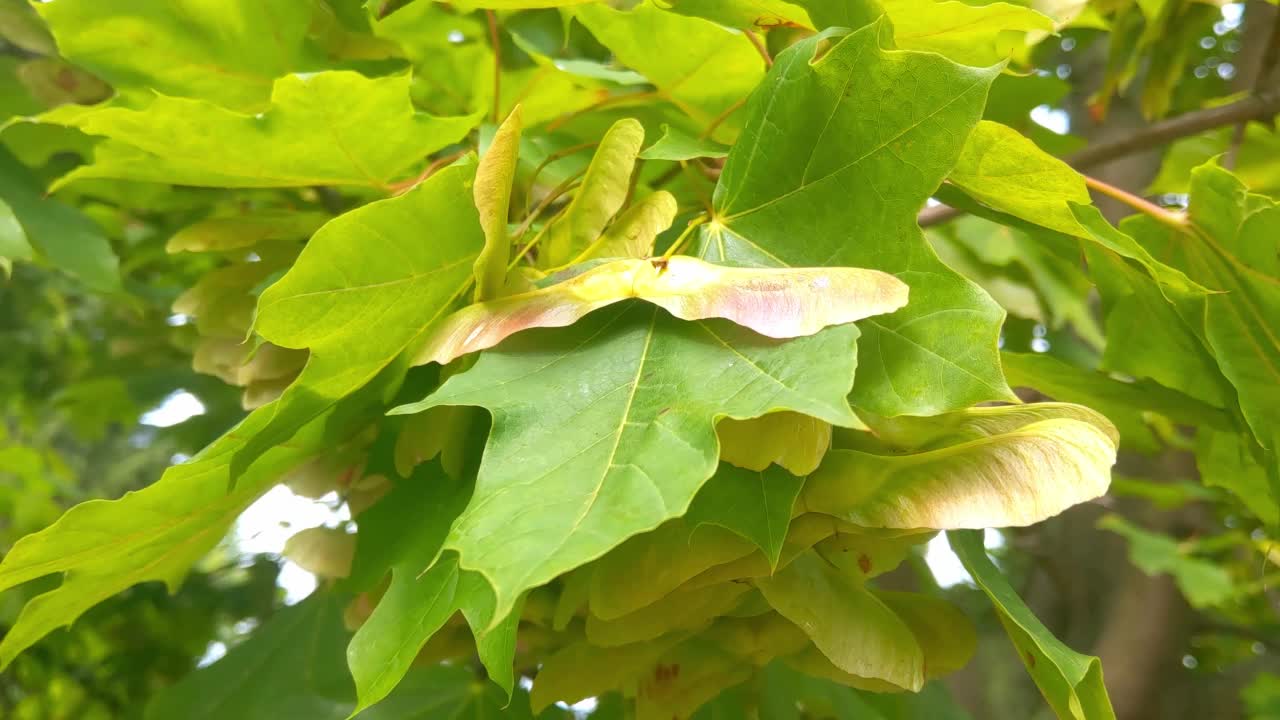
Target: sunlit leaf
<point x="349" y="303"/>
<point x="790" y="440"/>
<point x="226" y="52"/>
<point x="718" y="70"/>
<point x="377" y="136"/>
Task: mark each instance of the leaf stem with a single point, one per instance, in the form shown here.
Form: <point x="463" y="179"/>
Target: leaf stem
<point x="496" y="42"/>
<point x="760" y="48"/>
<point x="1258" y="106"/>
<point x="556" y="193"/>
<point x="1176" y="220"/>
<point x="553" y="157"/>
<point x="675" y="247"/>
<point x="719" y="119"/>
<point x="434" y="166"/>
<point x="607" y="100"/>
<point x="529" y="245"/>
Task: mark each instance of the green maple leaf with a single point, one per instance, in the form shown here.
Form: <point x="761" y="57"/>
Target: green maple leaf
<point x="225" y="52"/>
<point x="1124" y="403"/>
<point x="719" y="68"/>
<point x="406" y="532"/>
<point x="233" y="232"/>
<point x="1230" y="247"/>
<point x="34" y="223"/>
<point x="844" y="143"/>
<point x="1071" y="682"/>
<point x="1203" y="582"/>
<point x="605" y="429"/>
<point x="754" y="504"/>
<point x="368" y="286"/>
<point x="331" y="128"/>
<point x="103" y="547"/>
<point x="969" y="34"/>
<point x="290" y="667"/>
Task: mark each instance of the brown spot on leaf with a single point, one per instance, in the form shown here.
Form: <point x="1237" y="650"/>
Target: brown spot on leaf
<point x="864" y="563"/>
<point x="1031" y="660"/>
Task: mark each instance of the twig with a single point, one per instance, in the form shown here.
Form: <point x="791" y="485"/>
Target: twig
<point x="758" y="44"/>
<point x="668" y="176"/>
<point x="568" y="184"/>
<point x="553" y="157"/>
<point x="497" y="64"/>
<point x="405" y="186"/>
<point x="1259" y="106"/>
<point x="537" y="237"/>
<point x="1266" y="67"/>
<point x="603" y="102"/>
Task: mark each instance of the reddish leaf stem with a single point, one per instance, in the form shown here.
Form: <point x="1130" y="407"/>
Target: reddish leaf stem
<point x="1173" y="219"/>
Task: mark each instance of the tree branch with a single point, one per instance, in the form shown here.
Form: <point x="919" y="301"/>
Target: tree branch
<point x="1259" y="106"/>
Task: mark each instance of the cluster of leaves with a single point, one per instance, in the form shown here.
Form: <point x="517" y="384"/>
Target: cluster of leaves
<point x="634" y="367"/>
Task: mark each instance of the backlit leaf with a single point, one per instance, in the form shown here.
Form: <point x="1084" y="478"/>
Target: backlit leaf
<point x="376" y="136"/>
<point x="225" y="52"/>
<point x="793" y="441"/>
<point x="64" y="236"/>
<point x="633" y="233"/>
<point x="718" y="69"/>
<point x="368" y="286"/>
<point x="219" y="234"/>
<point x="102" y="547"/>
<point x="970" y="34"/>
<point x="675" y="144"/>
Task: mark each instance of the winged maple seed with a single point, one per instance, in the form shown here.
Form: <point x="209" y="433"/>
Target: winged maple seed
<point x="776" y="302"/>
